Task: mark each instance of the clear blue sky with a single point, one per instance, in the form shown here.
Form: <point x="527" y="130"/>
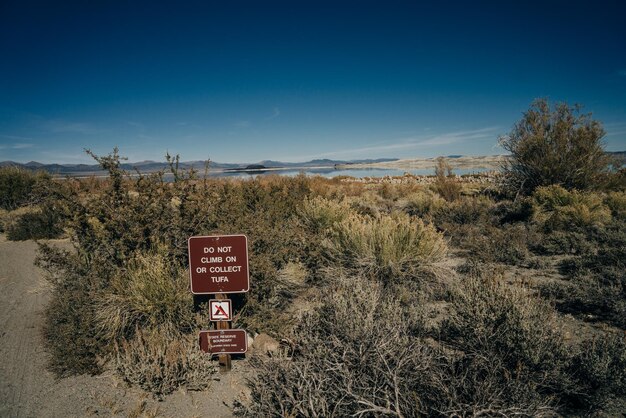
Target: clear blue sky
<point x="244" y="81"/>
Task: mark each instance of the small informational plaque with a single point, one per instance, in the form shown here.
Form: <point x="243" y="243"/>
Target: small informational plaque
<point x="224" y="341"/>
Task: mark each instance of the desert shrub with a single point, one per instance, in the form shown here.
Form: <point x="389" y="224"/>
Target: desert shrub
<point x="557" y="208"/>
<point x="356" y="355"/>
<point x="616" y="181"/>
<point x="564" y="242"/>
<point x="514" y="331"/>
<point x="421" y="203"/>
<point x="597" y="278"/>
<point x="555" y="146"/>
<point x="151" y="292"/>
<point x="19" y="187"/>
<point x="161" y="360"/>
<point x="589" y="296"/>
<point x="125" y="219"/>
<point x="508" y="244"/>
<point x="601" y="368"/>
<point x="363" y="353"/>
<point x="508" y="211"/>
<point x="387" y="247"/>
<point x="369" y="203"/>
<point x="319" y="214"/>
<point x="616" y="201"/>
<point x="40" y="223"/>
<point x="445" y="184"/>
<point x="469" y="210"/>
<point x="4" y="219"/>
<point x="69" y="327"/>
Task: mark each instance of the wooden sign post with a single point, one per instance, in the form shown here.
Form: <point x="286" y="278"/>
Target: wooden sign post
<point x="224" y="360"/>
<point x="219" y="265"/>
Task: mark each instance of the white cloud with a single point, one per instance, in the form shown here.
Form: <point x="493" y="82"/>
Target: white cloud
<point x="421" y="141"/>
<point x="22" y="146"/>
<point x="17" y="145"/>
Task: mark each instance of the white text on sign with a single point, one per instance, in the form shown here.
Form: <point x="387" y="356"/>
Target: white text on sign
<point x="220" y="260"/>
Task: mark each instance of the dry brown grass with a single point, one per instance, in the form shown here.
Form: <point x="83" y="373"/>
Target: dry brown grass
<point x="162" y="360"/>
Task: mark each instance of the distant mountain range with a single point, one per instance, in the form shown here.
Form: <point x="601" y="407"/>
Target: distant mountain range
<point x="152" y="166"/>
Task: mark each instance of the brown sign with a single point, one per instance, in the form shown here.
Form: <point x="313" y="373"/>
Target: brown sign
<point x="224" y="341"/>
<point x="218" y="264"/>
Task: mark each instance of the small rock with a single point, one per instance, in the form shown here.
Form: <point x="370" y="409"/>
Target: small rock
<point x="264" y="344"/>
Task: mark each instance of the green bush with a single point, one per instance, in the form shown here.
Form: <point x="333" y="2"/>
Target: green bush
<point x="43" y="223"/>
<point x="556" y="146"/>
<point x="19" y="187"/>
<point x="557" y="208"/>
<point x="616" y="201"/>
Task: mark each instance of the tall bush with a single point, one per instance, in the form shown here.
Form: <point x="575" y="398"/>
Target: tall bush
<point x="558" y="145"/>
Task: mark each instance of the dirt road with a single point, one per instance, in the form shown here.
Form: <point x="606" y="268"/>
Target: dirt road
<point x="27" y="389"/>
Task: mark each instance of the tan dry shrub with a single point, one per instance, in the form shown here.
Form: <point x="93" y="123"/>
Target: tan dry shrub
<point x="421" y="203"/>
<point x="389" y="245"/>
<point x="319" y="214"/>
<point x="162" y="360"/>
<point x="150" y="293"/>
<point x="491" y="318"/>
<point x="372" y="202"/>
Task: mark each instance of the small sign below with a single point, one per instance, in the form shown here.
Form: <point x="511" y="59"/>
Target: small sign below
<point x="224" y="341"/>
<point x="218" y="264"/>
<point x="220" y="310"/>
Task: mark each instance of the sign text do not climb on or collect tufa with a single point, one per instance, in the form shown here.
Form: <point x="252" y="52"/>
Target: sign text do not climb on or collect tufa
<point x="218" y="264"/>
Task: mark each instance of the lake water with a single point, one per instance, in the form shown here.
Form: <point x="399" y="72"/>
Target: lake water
<point x="330" y="172"/>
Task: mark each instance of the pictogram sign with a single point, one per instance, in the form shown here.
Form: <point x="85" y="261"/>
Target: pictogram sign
<point x="220" y="310"/>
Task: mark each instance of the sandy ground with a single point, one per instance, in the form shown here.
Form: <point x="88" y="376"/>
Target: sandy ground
<point x="27" y="389"/>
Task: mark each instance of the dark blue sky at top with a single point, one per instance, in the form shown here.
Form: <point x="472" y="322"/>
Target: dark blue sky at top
<point x="245" y="81"/>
